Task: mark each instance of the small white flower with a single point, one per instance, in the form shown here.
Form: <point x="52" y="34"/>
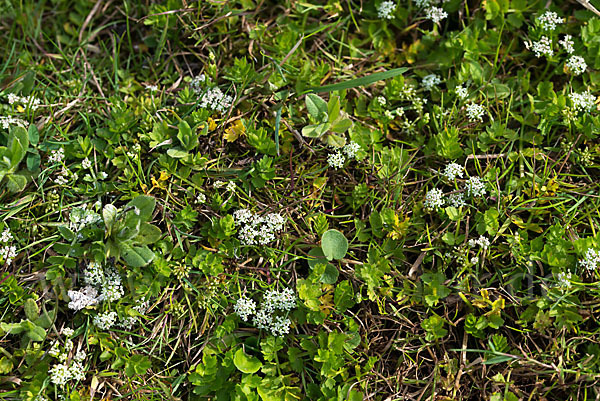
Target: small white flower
<point x="435" y="14"/>
<point x="434" y="199"/>
<point x="106" y="320"/>
<point x="336" y="160"/>
<point x="86" y="163"/>
<point x="453" y="170"/>
<point x="214" y="99"/>
<point x="461" y="92"/>
<point x="57" y="156"/>
<point x="6" y="122"/>
<point x="591" y="259"/>
<point x="60" y="374"/>
<point x="381" y="100"/>
<point x="6" y="235"/>
<point x="475" y="111"/>
<point x="475" y="187"/>
<point x="12" y="98"/>
<point x="430" y="81"/>
<point x="583" y="101"/>
<point x="576" y="65"/>
<point x="567" y="43"/>
<point x="549" y="20"/>
<point x="482" y="242"/>
<point x="457" y="200"/>
<point x="244" y="307"/>
<point x="351" y="150"/>
<point x="543" y="47"/>
<point x="474" y="260"/>
<point x="87" y="296"/>
<point x="152" y="88"/>
<point x="219" y="184"/>
<point x="564" y="279"/>
<point x="230" y="186"/>
<point x="386" y="9"/>
<point x="67" y="331"/>
<point x="200" y="198"/>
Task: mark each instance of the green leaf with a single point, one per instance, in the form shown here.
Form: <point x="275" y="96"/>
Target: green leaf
<point x="315" y="131"/>
<point x="145" y="204"/>
<point x="330" y="274"/>
<point x="33" y="134"/>
<point x="148" y="234"/>
<point x="343" y="296"/>
<point x="186" y="137"/>
<point x="336" y="141"/>
<point x="15" y="182"/>
<point x="340" y="126"/>
<point x="36" y="333"/>
<point x="353" y="83"/>
<point x="177" y="153"/>
<point x="136" y="256"/>
<point x="334" y="244"/>
<point x="333" y="107"/>
<point x="109" y="214"/>
<point x="32" y="311"/>
<point x="6" y="366"/>
<point x="246" y="363"/>
<point x="317" y="108"/>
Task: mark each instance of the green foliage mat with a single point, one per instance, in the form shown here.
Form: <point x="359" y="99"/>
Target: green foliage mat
<point x="299" y="200"/>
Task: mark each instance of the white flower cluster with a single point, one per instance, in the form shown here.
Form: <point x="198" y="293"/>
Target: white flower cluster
<point x="475" y="187"/>
<point x="269" y="317"/>
<point x="64" y="176"/>
<point x="577" y="65"/>
<point x="6" y="122"/>
<point x="435" y="14"/>
<point x="475" y="112"/>
<point x="591" y="259"/>
<point x="30" y="101"/>
<point x="106" y="320"/>
<point x="337" y="159"/>
<point x="151" y="88"/>
<point x="481" y="242"/>
<point x="583" y="101"/>
<point x="8" y="251"/>
<point x="102" y="285"/>
<point x="257" y="230"/>
<point x="245" y="307"/>
<point x="452" y="171"/>
<point x="386" y="9"/>
<point x="197" y="82"/>
<point x="549" y="20"/>
<point x="434" y="199"/>
<point x="200" y="198"/>
<point x="543" y="47"/>
<point x="564" y="279"/>
<point x="456" y="200"/>
<point x="567" y="44"/>
<point x="430" y="81"/>
<point x="86" y="296"/>
<point x="63" y="372"/>
<point x="461" y="92"/>
<point x="212" y="98"/>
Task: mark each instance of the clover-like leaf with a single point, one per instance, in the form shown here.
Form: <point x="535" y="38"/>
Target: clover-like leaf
<point x="246" y="363"/>
<point x="334" y="244"/>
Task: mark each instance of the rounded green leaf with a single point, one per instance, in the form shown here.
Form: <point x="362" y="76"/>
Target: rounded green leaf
<point x="246" y="363"/>
<point x="334" y="244"/>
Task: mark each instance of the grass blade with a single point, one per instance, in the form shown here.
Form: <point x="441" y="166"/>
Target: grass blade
<point x="353" y="83"/>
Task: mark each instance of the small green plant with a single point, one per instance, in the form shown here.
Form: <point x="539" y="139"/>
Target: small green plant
<point x="329" y="120"/>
